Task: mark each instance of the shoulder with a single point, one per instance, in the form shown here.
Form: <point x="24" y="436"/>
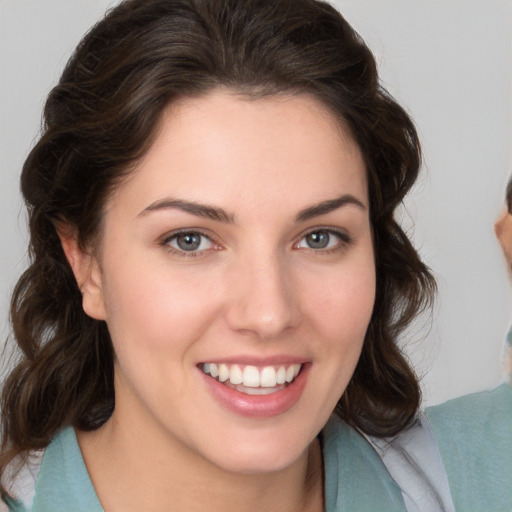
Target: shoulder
<point x="355" y="477"/>
<point x="20" y="481"/>
<point x="477" y="408"/>
<point x="413" y="460"/>
<point x="474" y="436"/>
<point x="57" y="481"/>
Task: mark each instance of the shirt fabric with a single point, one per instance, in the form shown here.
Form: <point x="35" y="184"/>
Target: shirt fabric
<point x="465" y="443"/>
<point x="474" y="436"/>
<point x="355" y="477"/>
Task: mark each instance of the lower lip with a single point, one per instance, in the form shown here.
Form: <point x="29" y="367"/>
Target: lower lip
<point x="260" y="406"/>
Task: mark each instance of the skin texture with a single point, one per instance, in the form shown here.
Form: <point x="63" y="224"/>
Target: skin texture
<point x="503" y="229"/>
<point x="254" y="290"/>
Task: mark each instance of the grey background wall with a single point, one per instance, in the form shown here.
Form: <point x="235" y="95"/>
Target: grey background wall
<point x="449" y="62"/>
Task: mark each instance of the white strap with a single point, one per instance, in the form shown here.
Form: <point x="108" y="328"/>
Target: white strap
<point x="414" y="462"/>
<point x="21" y="482"/>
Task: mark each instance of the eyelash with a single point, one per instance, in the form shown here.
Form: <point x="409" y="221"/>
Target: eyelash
<point x="166" y="241"/>
<point x="344" y="240"/>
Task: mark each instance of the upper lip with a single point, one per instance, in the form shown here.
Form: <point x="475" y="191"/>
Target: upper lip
<point x="247" y="360"/>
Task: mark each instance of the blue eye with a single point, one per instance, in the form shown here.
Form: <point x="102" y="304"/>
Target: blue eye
<point x="320" y="239"/>
<point x="190" y="241"/>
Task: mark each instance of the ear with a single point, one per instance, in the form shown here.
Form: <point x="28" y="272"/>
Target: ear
<point x="86" y="269"/>
<point x="499" y="226"/>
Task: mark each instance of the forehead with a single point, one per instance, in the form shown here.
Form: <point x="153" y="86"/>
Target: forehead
<point x="227" y="148"/>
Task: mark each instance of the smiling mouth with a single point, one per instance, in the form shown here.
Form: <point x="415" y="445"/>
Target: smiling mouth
<point x="252" y="380"/>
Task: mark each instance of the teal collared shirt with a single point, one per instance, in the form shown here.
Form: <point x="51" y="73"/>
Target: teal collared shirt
<point x="473" y="435"/>
<point x="62" y="483"/>
<point x="355" y="478"/>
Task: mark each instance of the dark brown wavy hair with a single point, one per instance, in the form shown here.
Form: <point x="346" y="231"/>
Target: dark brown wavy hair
<point x="100" y="119"/>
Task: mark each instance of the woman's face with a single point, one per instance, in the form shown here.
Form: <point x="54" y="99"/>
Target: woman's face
<point x="239" y="250"/>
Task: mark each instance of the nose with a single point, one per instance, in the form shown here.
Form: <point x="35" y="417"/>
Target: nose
<point x="263" y="298"/>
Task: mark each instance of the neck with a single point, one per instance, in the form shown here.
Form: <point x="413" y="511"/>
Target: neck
<point x="150" y="472"/>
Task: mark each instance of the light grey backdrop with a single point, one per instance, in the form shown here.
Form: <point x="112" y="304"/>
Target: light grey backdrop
<point x="447" y="61"/>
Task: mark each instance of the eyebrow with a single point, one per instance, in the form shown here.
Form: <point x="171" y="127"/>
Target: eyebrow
<point x="218" y="214"/>
<point x="200" y="210"/>
<point x="328" y="206"/>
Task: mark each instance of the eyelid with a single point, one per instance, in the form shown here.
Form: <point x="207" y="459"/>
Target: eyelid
<point x="165" y="240"/>
<point x="344" y="238"/>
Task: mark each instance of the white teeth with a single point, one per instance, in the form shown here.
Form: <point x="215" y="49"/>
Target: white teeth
<point x="268" y="377"/>
<point x="290" y="373"/>
<point x="251" y="376"/>
<point x="223" y="372"/>
<point x="281" y="375"/>
<point x="235" y="375"/>
<point x="260" y="391"/>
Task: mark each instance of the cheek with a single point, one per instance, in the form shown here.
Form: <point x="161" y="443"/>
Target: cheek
<point x="153" y="308"/>
<point x="340" y="309"/>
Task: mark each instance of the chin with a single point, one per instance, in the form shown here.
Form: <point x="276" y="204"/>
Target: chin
<point x="264" y="452"/>
<point x="260" y="463"/>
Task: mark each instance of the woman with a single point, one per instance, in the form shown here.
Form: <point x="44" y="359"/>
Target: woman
<point x="503" y="230"/>
<point x="215" y="269"/>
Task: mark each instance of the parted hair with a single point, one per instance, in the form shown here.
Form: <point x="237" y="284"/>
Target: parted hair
<point x="101" y="118"/>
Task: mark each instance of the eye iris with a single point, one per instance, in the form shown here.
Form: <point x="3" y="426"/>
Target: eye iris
<point x="189" y="241"/>
<point x="318" y="239"/>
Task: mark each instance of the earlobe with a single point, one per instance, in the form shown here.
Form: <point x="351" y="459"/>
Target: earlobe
<point x="86" y="270"/>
